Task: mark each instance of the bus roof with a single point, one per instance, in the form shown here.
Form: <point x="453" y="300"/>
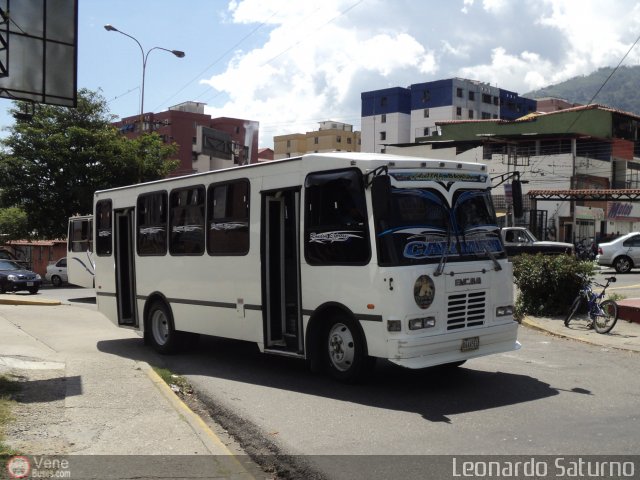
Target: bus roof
<point x="333" y="160"/>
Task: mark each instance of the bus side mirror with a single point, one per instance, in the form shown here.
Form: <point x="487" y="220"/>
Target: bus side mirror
<point x="516" y="192"/>
<point x="381" y="196"/>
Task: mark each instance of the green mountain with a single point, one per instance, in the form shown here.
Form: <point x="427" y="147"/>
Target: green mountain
<point x="621" y="91"/>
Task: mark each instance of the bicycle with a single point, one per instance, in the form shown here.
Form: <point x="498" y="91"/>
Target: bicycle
<point x="603" y="314"/>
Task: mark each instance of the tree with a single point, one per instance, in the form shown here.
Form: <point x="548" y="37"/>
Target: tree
<point x="13" y="224"/>
<point x="55" y="160"/>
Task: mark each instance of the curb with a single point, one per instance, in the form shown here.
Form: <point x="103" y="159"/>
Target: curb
<point x="207" y="436"/>
<point x="20" y="300"/>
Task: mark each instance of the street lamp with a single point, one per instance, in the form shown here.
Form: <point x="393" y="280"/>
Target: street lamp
<point x="145" y="56"/>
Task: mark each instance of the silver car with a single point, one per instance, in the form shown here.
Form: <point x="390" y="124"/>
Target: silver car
<point x="623" y="253"/>
<point x="57" y="272"/>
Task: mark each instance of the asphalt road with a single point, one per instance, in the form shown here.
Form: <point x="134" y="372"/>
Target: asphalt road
<point x="626" y="285"/>
<point x="552" y="397"/>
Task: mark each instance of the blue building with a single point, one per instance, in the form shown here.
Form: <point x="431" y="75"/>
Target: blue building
<point x="400" y="115"/>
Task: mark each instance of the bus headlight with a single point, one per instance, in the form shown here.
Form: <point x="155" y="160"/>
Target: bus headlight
<point x="504" y="311"/>
<point x="419" y="323"/>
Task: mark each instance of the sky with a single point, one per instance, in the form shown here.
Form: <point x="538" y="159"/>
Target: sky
<point x="292" y="64"/>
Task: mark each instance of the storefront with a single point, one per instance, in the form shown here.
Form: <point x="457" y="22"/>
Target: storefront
<point x="588" y="223"/>
<point x="622" y="217"/>
<point x="617" y="212"/>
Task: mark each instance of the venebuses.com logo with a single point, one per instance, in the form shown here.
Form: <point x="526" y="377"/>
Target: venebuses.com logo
<point x="18" y="467"/>
<point x="21" y="466"/>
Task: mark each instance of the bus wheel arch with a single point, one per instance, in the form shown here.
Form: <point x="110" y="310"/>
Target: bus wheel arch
<point x="336" y="343"/>
<point x="159" y="328"/>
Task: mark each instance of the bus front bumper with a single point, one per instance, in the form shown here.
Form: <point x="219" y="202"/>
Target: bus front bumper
<point x="431" y="350"/>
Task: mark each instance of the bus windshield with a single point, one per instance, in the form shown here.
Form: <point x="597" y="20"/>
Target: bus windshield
<point x="422" y="227"/>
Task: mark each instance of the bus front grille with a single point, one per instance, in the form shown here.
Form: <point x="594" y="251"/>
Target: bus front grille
<point x="466" y="310"/>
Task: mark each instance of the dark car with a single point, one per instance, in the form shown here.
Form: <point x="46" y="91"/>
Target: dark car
<point x="14" y="278"/>
<point x="519" y="240"/>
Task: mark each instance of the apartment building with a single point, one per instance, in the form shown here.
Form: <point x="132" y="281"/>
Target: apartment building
<point x="400" y="115"/>
<point x="330" y="137"/>
<point x="204" y="143"/>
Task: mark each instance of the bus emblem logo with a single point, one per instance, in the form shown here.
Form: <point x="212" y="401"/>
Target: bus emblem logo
<point x="461" y="282"/>
<point x="423" y="291"/>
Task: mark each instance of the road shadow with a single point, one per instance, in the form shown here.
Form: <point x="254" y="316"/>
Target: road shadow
<point x="87" y="300"/>
<point x="30" y="389"/>
<point x="436" y="394"/>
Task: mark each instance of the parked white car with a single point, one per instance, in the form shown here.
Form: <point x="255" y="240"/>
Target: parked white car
<point x="57" y="272"/>
<point x="623" y="253"/>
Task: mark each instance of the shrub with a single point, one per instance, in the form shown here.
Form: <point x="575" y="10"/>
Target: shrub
<point x="547" y="283"/>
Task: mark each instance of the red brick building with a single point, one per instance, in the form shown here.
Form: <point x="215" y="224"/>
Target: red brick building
<point x="205" y="143"/>
<point x="37" y="253"/>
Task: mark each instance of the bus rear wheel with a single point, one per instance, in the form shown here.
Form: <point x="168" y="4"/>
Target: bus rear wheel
<point x="163" y="336"/>
<point x="346" y="356"/>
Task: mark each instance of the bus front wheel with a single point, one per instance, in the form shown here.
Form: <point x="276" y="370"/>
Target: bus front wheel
<point x="346" y="355"/>
<point x="163" y="336"/>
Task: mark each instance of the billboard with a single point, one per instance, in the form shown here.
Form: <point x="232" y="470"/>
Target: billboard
<point x="39" y="51"/>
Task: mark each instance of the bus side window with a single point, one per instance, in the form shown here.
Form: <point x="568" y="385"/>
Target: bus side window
<point x="228" y="218"/>
<point x="152" y="224"/>
<point x="336" y="229"/>
<point x="80" y="235"/>
<point x="104" y="228"/>
<point x="187" y="221"/>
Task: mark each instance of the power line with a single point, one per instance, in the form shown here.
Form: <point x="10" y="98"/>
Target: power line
<point x="199" y="75"/>
<point x="604" y="83"/>
<point x="577" y="117"/>
<point x="123" y="94"/>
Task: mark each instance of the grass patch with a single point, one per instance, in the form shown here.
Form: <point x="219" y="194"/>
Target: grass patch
<point x="177" y="383"/>
<point x="615" y="297"/>
<point x="7" y="388"/>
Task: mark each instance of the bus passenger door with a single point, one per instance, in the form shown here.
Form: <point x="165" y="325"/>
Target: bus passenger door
<point x="281" y="271"/>
<point x="125" y="271"/>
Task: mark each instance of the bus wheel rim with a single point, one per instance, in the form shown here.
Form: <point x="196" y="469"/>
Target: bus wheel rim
<point x="160" y="327"/>
<point x="341" y="347"/>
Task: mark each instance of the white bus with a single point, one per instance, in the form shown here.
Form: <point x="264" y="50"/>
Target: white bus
<point x="335" y="258"/>
<point x="81" y="267"/>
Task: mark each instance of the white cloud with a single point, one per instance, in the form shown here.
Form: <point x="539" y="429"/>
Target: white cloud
<point x="306" y="68"/>
<point x="321" y="54"/>
<point x="495" y="6"/>
<point x="465" y="6"/>
<point x="526" y="70"/>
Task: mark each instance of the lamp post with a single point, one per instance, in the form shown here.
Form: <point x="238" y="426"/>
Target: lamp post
<point x="145" y="56"/>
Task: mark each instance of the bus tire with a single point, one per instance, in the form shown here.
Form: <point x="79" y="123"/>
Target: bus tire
<point x="345" y="350"/>
<point x="162" y="335"/>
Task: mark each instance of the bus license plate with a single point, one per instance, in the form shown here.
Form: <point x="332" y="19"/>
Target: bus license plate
<point x="469" y="344"/>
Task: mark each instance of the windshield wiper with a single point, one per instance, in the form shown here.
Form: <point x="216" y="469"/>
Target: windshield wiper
<point x="445" y="254"/>
<point x="497" y="266"/>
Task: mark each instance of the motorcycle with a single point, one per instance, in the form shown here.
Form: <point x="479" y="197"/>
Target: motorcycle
<point x="585" y="250"/>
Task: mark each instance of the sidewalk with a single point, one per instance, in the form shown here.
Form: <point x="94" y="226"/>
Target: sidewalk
<point x="88" y="392"/>
<point x="624" y="336"/>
